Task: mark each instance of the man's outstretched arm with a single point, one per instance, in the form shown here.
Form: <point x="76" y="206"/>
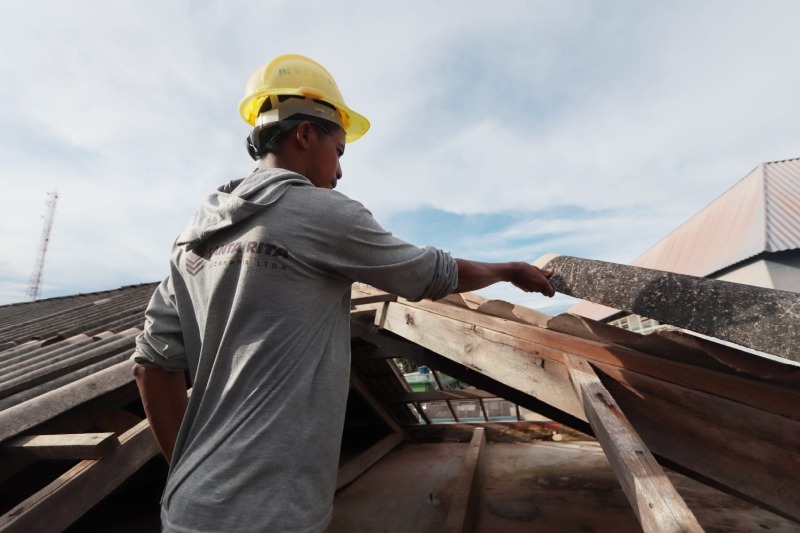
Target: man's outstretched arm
<point x="164" y="399"/>
<point x="474" y="275"/>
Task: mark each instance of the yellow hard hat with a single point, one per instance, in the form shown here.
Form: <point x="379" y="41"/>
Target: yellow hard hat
<point x="298" y="75"/>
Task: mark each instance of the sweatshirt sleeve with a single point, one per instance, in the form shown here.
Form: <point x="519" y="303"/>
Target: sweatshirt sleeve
<point x="368" y="253"/>
<point x="161" y="342"/>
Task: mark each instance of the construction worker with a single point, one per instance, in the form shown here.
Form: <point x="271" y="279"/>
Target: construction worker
<point x="256" y="306"/>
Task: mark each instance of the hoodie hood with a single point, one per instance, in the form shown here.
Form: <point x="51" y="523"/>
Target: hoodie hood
<point x="237" y="201"/>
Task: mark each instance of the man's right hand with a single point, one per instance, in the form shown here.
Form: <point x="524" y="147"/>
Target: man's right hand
<point x="474" y="275"/>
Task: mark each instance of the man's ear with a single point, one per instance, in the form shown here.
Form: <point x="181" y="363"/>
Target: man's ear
<point x="302" y="133"/>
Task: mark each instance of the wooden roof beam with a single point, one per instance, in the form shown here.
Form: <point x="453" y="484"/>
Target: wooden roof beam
<point x="66" y="499"/>
<point x="461" y="516"/>
<point x="528" y="362"/>
<point x="437" y="395"/>
<point x="69" y="446"/>
<point x="353" y="468"/>
<point x="361" y="389"/>
<point x="658" y="506"/>
<point x="387" y="343"/>
<point x="439" y="384"/>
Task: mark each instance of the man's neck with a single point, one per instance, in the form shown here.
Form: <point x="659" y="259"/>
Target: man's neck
<point x="272" y="160"/>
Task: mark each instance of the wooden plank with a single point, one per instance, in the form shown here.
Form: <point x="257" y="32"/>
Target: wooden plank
<point x="461" y="516"/>
<point x="421" y="412"/>
<point x="513" y="354"/>
<point x="437" y="395"/>
<point x="449" y="405"/>
<point x="69" y="446"/>
<point x="362" y="323"/>
<point x="734" y="447"/>
<point x="493" y="353"/>
<point x="352" y="469"/>
<point x="397" y="345"/>
<point x="549" y="346"/>
<point x="33" y="412"/>
<point x="361" y="388"/>
<point x="402" y="381"/>
<point x="658" y="506"/>
<point x="377" y="298"/>
<point x="66" y="499"/>
<point x="483" y="410"/>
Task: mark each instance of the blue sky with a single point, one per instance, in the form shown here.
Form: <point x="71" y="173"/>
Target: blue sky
<point x="500" y="131"/>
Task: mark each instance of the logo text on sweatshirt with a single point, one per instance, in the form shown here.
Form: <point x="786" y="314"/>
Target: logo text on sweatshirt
<point x="235" y="253"/>
<point x="250" y="247"/>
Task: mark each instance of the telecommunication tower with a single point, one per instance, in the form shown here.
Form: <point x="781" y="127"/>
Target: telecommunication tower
<point x="36" y="278"/>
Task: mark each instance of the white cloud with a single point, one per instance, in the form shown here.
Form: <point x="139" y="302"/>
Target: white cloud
<point x="129" y="110"/>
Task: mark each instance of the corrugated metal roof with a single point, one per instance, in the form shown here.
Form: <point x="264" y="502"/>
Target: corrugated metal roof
<point x="782" y="184"/>
<point x="60" y="318"/>
<point x="760" y="213"/>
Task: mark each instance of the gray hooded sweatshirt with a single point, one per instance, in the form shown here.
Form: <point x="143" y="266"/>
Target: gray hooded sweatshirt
<point x="257" y="307"/>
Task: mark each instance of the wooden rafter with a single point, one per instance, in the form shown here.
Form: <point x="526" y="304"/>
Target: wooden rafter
<point x="452" y="367"/>
<point x="402" y="381"/>
<point x="437" y="395"/>
<point x="658" y="506"/>
<point x="377" y="298"/>
<point x="70" y="446"/>
<point x="439" y="384"/>
<point x="529" y="361"/>
<point x="64" y="500"/>
<point x="352" y="469"/>
<point x="361" y="388"/>
<point x="464" y="502"/>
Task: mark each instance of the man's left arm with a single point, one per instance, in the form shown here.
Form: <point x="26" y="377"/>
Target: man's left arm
<point x="160" y="361"/>
<point x="164" y="400"/>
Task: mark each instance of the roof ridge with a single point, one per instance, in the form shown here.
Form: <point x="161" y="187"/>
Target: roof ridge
<point x="781" y="161"/>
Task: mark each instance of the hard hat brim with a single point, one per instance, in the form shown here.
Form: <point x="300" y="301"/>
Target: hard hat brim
<point x="355" y="124"/>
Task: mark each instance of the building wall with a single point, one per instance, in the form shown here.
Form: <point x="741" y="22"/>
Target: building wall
<point x="779" y="270"/>
<point x="754" y="273"/>
<point x="785" y="271"/>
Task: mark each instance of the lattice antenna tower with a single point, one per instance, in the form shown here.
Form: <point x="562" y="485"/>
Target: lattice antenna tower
<point x="36" y="278"/>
